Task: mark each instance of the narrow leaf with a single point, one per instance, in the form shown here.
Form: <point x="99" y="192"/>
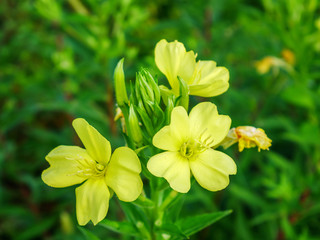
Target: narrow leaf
<point x="88" y="235"/>
<point x="192" y="225"/>
<point x="119" y="227"/>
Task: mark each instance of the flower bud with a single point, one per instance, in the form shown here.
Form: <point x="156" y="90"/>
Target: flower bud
<point x="120" y="85"/>
<point x="145" y="87"/>
<point x="169" y="108"/>
<point x="135" y="130"/>
<point x="66" y="223"/>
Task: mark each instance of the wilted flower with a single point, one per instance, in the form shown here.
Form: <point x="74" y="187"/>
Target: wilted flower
<point x="188" y="142"/>
<point x="247" y="137"/>
<point x="71" y="165"/>
<point x="204" y="78"/>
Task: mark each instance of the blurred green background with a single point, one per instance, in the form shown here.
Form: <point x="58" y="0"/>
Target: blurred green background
<point x="56" y="64"/>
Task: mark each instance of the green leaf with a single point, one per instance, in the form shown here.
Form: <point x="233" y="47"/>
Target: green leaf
<point x="298" y="95"/>
<point x="119" y="227"/>
<point x="174" y="208"/>
<point x="173" y="230"/>
<point x="88" y="235"/>
<point x="36" y="229"/>
<point x="194" y="224"/>
<point x="134" y="214"/>
<point x="247" y="196"/>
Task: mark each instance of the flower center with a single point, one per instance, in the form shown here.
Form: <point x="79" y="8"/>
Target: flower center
<point x="89" y="168"/>
<point x="99" y="167"/>
<point x="190" y="148"/>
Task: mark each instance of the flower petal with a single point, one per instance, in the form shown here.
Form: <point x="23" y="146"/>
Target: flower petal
<point x="92" y="201"/>
<point x="123" y="174"/>
<point x="171" y="137"/>
<point x="212" y="168"/>
<point x="209" y="80"/>
<point x="205" y="120"/>
<point x="173" y="60"/>
<point x="187" y="66"/>
<point x="173" y="167"/>
<point x="215" y="88"/>
<point x="65" y="162"/>
<point x="179" y="124"/>
<point x="97" y="146"/>
<point x="166" y="140"/>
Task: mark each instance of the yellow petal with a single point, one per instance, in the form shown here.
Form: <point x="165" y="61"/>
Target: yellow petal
<point x="187" y="66"/>
<point x="166" y="140"/>
<point x="97" y="146"/>
<point x="207" y="124"/>
<point x="173" y="60"/>
<point x="209" y="90"/>
<point x="212" y="168"/>
<point x="123" y="174"/>
<point x="65" y="162"/>
<point x="92" y="201"/>
<point x="174" y="168"/>
<point x="209" y="80"/>
<point x="171" y="137"/>
<point x="179" y="124"/>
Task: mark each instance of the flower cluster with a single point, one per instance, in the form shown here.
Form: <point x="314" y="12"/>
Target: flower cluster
<point x="179" y="145"/>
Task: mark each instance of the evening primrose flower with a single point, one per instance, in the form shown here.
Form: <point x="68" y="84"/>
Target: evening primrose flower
<point x="204" y="78"/>
<point x="101" y="175"/>
<point x="247" y="137"/>
<point x="264" y="65"/>
<point x="188" y="142"/>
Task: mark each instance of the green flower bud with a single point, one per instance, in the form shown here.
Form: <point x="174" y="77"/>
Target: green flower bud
<point x="66" y="223"/>
<point x="147" y="123"/>
<point x="145" y="87"/>
<point x="154" y="85"/>
<point x="135" y="130"/>
<point x="169" y="108"/>
<point x="120" y="85"/>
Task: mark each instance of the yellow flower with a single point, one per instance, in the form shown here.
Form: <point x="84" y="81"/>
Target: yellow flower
<point x="288" y="56"/>
<point x="204" y="78"/>
<point x="264" y="65"/>
<point x="188" y="142"/>
<point x="71" y="165"/>
<point x="247" y="137"/>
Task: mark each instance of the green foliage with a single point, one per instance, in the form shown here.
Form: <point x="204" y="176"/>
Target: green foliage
<point x="56" y="63"/>
<point x="194" y="224"/>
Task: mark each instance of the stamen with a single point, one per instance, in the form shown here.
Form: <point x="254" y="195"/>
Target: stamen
<point x="207" y="141"/>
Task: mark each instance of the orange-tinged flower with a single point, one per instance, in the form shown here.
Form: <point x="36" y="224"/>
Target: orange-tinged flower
<point x="288" y="56"/>
<point x="247" y="137"/>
